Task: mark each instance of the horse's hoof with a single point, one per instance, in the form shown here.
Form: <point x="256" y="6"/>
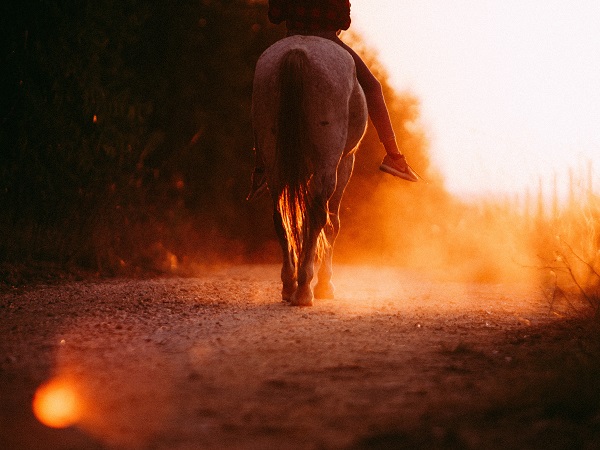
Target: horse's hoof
<point x="302" y="298"/>
<point x="288" y="292"/>
<point x="325" y="290"/>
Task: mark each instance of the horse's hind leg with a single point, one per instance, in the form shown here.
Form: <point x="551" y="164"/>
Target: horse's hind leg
<point x="288" y="272"/>
<point x="324" y="287"/>
<point x="317" y="216"/>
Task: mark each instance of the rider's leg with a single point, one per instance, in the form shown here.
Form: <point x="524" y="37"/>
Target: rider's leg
<point x="375" y="101"/>
<point x="394" y="162"/>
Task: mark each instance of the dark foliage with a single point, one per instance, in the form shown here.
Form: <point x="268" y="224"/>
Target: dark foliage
<point x="125" y="135"/>
<point x="125" y="128"/>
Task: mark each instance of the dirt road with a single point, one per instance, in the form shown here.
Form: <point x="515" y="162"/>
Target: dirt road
<point x="397" y="360"/>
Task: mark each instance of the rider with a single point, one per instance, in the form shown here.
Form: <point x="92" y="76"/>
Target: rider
<point x="326" y="18"/>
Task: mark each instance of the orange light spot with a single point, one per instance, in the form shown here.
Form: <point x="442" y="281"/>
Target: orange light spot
<point x="95" y="119"/>
<point x="180" y="184"/>
<point x="56" y="405"/>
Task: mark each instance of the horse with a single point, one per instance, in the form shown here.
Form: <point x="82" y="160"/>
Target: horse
<point x="309" y="115"/>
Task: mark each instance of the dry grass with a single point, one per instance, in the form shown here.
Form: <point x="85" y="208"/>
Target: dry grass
<point x="572" y="253"/>
<point x="567" y="242"/>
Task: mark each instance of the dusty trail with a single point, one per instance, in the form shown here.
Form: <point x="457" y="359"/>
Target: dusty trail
<point x="397" y="360"/>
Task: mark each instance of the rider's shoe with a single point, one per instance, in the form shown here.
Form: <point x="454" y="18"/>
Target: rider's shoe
<point x="398" y="167"/>
<point x="259" y="184"/>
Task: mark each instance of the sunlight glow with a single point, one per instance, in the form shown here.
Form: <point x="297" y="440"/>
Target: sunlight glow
<point x="56" y="404"/>
<point x="509" y="89"/>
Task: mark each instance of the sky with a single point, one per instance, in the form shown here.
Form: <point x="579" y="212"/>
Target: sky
<point x="509" y="89"/>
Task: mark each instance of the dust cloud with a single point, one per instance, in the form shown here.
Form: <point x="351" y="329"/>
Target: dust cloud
<point x="385" y="221"/>
<point x="422" y="225"/>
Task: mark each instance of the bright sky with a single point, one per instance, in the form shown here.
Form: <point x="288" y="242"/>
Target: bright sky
<point x="509" y="89"/>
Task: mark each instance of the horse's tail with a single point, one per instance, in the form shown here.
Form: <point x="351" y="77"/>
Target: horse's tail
<point x="294" y="153"/>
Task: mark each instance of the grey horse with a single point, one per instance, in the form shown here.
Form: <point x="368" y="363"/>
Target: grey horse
<point x="309" y="114"/>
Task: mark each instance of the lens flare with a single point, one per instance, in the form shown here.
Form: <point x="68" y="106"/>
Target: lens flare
<point x="56" y="404"/>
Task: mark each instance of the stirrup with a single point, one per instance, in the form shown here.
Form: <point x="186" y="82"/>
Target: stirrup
<point x="259" y="185"/>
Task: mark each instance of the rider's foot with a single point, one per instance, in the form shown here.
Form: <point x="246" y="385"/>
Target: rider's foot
<point x="396" y="165"/>
<point x="259" y="184"/>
